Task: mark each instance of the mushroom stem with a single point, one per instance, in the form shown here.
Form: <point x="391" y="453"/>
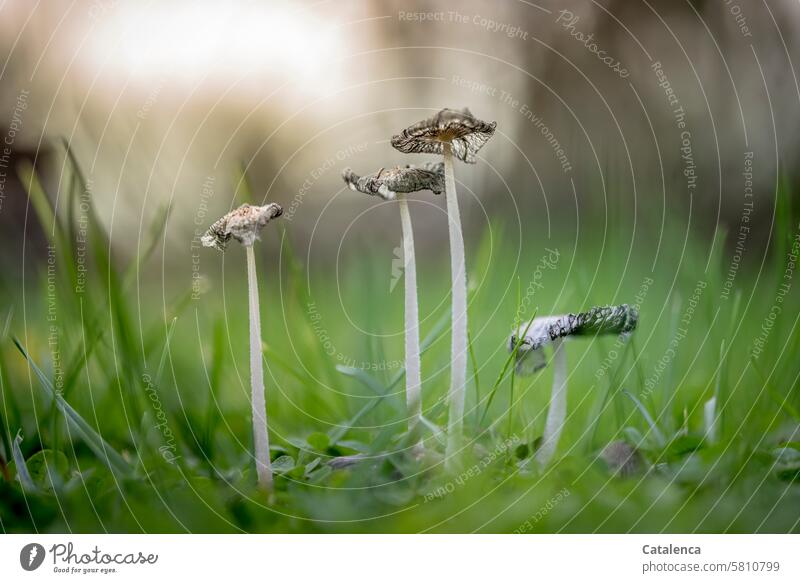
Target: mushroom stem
<point x="557" y="411"/>
<point x="413" y="368"/>
<point x="260" y="436"/>
<point x="458" y="355"/>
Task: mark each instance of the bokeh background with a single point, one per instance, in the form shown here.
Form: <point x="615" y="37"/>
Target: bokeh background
<point x="163" y="101"/>
<point x="646" y="153"/>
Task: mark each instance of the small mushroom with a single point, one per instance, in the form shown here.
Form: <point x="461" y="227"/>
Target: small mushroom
<point x="531" y="338"/>
<point x="452" y="133"/>
<point x="392" y="184"/>
<point x="243" y="225"/>
<point x="386" y="183"/>
<point x="621" y="458"/>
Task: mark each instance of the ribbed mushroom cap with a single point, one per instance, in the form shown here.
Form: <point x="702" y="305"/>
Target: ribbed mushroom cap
<point x="465" y="133"/>
<point x="242" y="225"/>
<point x="387" y="182"/>
<point x="600" y="320"/>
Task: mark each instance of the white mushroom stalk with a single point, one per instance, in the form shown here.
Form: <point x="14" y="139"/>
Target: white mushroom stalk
<point x="458" y="134"/>
<point x="411" y="312"/>
<point x="557" y="410"/>
<point x="243" y="225"/>
<point x="393" y="184"/>
<point x="458" y="345"/>
<point x="618" y="320"/>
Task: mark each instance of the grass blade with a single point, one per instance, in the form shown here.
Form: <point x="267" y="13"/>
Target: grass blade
<point x="511" y="357"/>
<point x="93" y="440"/>
<point x="339" y="432"/>
<point x="782" y="402"/>
<point x="23" y="475"/>
<point x="157" y="228"/>
<point x="475" y="380"/>
<point x="609" y="393"/>
<point x="41" y="204"/>
<point x="361" y="377"/>
<point x="163" y="360"/>
<point x="647" y="417"/>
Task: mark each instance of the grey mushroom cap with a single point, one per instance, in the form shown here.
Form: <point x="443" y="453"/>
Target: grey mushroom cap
<point x="465" y="133"/>
<point x="242" y="224"/>
<point x="618" y="320"/>
<point x="387" y="182"/>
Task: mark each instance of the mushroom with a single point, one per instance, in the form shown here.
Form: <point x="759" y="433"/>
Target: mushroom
<point x="243" y="225"/>
<point x="531" y="337"/>
<point x="459" y="134"/>
<point x="391" y="184"/>
<point x="621" y="458"/>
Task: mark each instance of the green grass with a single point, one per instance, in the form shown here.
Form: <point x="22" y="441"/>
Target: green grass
<point x="143" y="425"/>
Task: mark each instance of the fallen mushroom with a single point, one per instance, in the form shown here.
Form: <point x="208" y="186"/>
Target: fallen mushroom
<point x="459" y="134"/>
<point x="243" y="225"/>
<point x="392" y="184"/>
<point x="531" y="338"/>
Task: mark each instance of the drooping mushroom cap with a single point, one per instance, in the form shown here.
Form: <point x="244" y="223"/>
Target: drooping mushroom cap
<point x="386" y="183"/>
<point x="242" y="225"/>
<point x="618" y="320"/>
<point x="465" y="133"/>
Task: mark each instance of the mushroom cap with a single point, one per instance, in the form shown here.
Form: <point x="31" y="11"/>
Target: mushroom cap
<point x="465" y="133"/>
<point x="387" y="182"/>
<point x="619" y="320"/>
<point x="241" y="224"/>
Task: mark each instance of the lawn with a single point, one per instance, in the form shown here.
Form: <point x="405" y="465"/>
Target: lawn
<point x="125" y="395"/>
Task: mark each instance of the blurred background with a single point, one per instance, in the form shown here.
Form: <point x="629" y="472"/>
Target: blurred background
<point x="646" y="153"/>
<point x="163" y="102"/>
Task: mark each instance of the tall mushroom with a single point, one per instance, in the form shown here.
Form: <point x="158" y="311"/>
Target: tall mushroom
<point x="243" y="225"/>
<point x="452" y="133"/>
<point x="391" y="184"/>
<point x="530" y="356"/>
